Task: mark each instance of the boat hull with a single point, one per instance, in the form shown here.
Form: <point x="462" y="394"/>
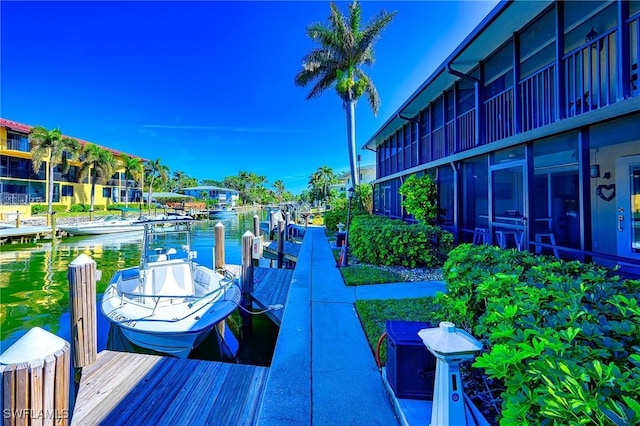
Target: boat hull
<point x="173" y="337"/>
<point x="176" y="344"/>
<point x="75" y="230"/>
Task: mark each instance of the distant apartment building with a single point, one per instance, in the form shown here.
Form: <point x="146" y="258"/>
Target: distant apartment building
<point x="225" y="197"/>
<point x="366" y="174"/>
<point x="20" y="186"/>
<point x="531" y="130"/>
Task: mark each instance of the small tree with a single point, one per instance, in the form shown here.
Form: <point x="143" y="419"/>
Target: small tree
<point x="419" y="195"/>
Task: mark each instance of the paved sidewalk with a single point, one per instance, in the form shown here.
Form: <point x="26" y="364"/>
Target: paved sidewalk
<point x="323" y="370"/>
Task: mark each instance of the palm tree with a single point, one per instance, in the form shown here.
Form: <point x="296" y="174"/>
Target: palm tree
<point x="315" y="185"/>
<point x="132" y="170"/>
<point x="344" y="48"/>
<point x="326" y="178"/>
<point x="279" y="186"/>
<point x="97" y="162"/>
<point x="153" y="170"/>
<point x="52" y="147"/>
<point x="319" y="182"/>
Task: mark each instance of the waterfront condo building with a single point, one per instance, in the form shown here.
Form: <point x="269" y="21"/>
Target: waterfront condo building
<point x="531" y="130"/>
<point x="20" y="186"/>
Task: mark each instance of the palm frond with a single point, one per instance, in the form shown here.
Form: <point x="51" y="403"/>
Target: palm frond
<point x="371" y="92"/>
<point x="372" y="32"/>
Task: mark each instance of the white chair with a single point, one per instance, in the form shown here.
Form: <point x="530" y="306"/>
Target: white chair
<point x="502" y="234"/>
<point x="552" y="240"/>
<point x="481" y="236"/>
<point x="546" y="232"/>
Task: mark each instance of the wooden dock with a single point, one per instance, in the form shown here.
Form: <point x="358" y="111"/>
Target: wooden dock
<point x="291" y="250"/>
<point x="271" y="287"/>
<point x="136" y="389"/>
<point x="24" y="234"/>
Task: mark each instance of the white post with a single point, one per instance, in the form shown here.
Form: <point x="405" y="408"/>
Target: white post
<point x="450" y="346"/>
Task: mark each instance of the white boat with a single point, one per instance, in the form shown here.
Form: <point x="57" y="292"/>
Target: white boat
<point x="104" y="225"/>
<point x="222" y="212"/>
<point x="169" y="303"/>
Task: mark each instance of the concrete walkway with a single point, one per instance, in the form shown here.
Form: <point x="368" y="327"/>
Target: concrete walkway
<point x="323" y="371"/>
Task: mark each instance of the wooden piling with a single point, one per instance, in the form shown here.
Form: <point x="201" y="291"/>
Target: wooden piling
<point x="256" y="225"/>
<point x="247" y="284"/>
<point x="35" y="380"/>
<point x="256" y="232"/>
<point x="219" y="246"/>
<point x="17" y="219"/>
<point x="287" y="221"/>
<point x="272" y="223"/>
<point x="82" y="300"/>
<point x="280" y="243"/>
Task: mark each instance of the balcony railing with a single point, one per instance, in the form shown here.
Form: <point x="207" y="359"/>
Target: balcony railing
<point x="466" y="130"/>
<point x="20" y="173"/>
<point x="13" y="199"/>
<point x="437" y="144"/>
<point x="589" y="73"/>
<point x="18" y="145"/>
<point x="634" y="35"/>
<point x="425" y="149"/>
<point x="451" y="137"/>
<point x="537" y="97"/>
<point x="498" y="113"/>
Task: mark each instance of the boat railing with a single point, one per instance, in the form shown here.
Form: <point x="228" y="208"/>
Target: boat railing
<point x="228" y="279"/>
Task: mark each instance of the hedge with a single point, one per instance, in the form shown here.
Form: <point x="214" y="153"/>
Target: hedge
<point x="562" y="338"/>
<point x="379" y="240"/>
<point x="42" y="208"/>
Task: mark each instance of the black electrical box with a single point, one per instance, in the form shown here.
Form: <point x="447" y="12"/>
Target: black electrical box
<point x="410" y="366"/>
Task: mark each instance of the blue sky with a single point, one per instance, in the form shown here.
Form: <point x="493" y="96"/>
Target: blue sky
<point x="207" y="86"/>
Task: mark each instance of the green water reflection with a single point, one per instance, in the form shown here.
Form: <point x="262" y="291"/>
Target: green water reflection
<point x="34" y="286"/>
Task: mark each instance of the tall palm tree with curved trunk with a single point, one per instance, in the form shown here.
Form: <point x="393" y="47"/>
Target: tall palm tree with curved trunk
<point x="97" y="163"/>
<point x="132" y="170"/>
<point x="52" y="147"/>
<point x="154" y="170"/>
<point x="344" y="49"/>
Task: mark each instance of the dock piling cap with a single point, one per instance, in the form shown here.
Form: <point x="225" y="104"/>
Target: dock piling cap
<point x="449" y="340"/>
<point x="36" y="344"/>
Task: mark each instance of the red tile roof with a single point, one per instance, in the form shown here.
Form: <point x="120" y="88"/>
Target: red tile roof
<point x="25" y="128"/>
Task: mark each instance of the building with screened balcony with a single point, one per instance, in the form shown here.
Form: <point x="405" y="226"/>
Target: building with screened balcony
<point x="531" y="130"/>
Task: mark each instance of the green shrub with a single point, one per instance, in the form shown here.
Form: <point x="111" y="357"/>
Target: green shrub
<point x="75" y="208"/>
<point x="42" y="208"/>
<point x="38" y="208"/>
<point x="79" y="208"/>
<point x="562" y="338"/>
<point x="419" y="198"/>
<point x="379" y="240"/>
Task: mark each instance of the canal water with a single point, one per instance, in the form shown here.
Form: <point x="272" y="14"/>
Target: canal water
<point x="34" y="289"/>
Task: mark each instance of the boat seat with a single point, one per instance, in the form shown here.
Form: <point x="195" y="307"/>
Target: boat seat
<point x="170" y="280"/>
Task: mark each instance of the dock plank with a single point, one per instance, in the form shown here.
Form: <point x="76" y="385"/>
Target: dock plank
<point x="271" y="287"/>
<point x="141" y="389"/>
<point x="291" y="250"/>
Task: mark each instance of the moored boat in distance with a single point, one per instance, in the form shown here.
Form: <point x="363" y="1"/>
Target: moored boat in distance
<point x="104" y="225"/>
<point x="222" y="212"/>
<point x="169" y="303"/>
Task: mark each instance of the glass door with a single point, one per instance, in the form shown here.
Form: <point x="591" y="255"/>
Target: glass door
<point x="628" y="206"/>
<point x="507" y="219"/>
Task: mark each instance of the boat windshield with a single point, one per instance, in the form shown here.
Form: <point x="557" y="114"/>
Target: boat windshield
<point x="166" y="240"/>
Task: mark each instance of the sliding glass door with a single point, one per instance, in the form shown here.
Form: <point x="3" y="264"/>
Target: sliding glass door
<point x="628" y="206"/>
